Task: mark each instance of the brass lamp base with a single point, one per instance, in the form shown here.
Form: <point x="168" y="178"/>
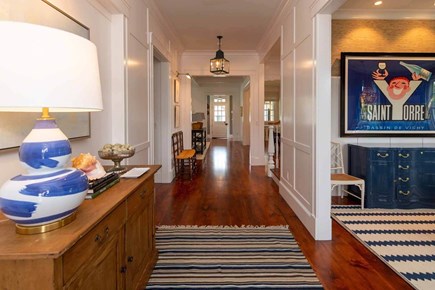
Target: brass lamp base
<point x="23" y="230"/>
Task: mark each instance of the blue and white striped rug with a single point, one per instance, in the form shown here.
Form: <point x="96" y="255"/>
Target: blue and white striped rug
<point x="403" y="239"/>
<point x="193" y="257"/>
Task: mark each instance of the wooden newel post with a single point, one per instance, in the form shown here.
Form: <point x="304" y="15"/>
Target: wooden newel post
<point x="271" y="152"/>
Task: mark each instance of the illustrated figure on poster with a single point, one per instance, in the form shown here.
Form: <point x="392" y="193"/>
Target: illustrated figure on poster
<point x="400" y="89"/>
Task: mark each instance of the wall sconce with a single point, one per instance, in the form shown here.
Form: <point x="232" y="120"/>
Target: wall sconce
<point x="42" y="68"/>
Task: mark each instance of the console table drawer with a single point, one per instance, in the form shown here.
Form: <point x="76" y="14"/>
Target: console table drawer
<point x="88" y="246"/>
<point x="382" y="155"/>
<point x="137" y="200"/>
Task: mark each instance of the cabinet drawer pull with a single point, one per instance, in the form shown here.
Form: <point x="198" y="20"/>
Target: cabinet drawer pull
<point x="404" y="179"/>
<point x="404" y="192"/>
<point x="130" y="259"/>
<point x="123" y="269"/>
<point x="101" y="239"/>
<point x="98" y="238"/>
<point x="404" y="167"/>
<point x="382" y="155"/>
<point x="404" y="155"/>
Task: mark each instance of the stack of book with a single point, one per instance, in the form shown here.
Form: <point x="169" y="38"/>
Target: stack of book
<point x="97" y="186"/>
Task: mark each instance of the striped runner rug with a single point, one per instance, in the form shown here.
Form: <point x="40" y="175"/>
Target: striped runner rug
<point x="403" y="239"/>
<point x="211" y="257"/>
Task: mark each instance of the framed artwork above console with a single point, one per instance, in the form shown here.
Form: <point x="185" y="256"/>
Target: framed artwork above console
<point x="387" y="94"/>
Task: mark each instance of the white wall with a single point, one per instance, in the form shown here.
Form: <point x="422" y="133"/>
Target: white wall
<point x="305" y="124"/>
<point x="272" y="70"/>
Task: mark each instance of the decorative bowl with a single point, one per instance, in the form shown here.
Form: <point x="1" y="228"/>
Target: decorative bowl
<point x="116" y="156"/>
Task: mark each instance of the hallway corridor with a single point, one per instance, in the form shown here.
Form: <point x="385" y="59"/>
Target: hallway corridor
<point x="226" y="192"/>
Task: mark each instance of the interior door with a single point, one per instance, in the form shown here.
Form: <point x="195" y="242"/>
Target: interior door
<point x="219" y="120"/>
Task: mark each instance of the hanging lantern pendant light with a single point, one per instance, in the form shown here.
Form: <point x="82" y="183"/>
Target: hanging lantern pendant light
<point x="219" y="65"/>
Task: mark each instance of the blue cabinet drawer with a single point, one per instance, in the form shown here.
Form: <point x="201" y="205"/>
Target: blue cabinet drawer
<point x="425" y="155"/>
<point x="381" y="155"/>
<point x="406" y="155"/>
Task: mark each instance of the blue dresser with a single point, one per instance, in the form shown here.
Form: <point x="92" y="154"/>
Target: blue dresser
<point x="396" y="176"/>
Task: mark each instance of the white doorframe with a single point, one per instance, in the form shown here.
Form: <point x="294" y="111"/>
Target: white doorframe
<point x="220" y="129"/>
<point x="162" y="102"/>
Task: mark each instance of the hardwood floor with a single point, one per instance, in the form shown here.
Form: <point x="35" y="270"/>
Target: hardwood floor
<point x="227" y="192"/>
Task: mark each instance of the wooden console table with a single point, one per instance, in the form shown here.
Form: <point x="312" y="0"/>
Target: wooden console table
<point x="110" y="245"/>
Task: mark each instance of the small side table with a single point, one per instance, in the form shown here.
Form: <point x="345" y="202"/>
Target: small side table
<point x="199" y="140"/>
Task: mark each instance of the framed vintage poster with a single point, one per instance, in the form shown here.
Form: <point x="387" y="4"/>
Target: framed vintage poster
<point x="14" y="126"/>
<point x="387" y="94"/>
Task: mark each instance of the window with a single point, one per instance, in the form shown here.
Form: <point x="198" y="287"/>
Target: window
<point x="220" y="100"/>
<point x="269" y="111"/>
<point x="219" y="113"/>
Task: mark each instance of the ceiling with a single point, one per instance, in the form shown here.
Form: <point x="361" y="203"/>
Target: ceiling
<point x="243" y="23"/>
<point x="390" y="9"/>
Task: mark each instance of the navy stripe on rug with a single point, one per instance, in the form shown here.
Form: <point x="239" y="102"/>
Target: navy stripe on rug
<point x="403" y="239"/>
<point x="230" y="258"/>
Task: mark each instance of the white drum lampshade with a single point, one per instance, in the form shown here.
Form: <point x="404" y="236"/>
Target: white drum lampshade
<point x="44" y="69"/>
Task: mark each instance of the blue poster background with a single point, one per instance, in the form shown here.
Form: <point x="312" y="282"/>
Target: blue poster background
<point x="362" y="91"/>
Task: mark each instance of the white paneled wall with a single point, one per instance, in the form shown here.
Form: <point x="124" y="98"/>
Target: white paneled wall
<point x="138" y="100"/>
<point x="304" y="165"/>
<point x="287" y="126"/>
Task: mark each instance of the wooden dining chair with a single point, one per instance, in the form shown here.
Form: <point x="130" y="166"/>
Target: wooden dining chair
<point x="340" y="178"/>
<point x="184" y="160"/>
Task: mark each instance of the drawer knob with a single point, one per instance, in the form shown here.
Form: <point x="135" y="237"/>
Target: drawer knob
<point x="404" y="192"/>
<point x="404" y="179"/>
<point x="404" y="167"/>
<point x="130" y="259"/>
<point x="382" y="155"/>
<point x="98" y="238"/>
<point x="404" y="155"/>
<point x="123" y="269"/>
<point x="106" y="231"/>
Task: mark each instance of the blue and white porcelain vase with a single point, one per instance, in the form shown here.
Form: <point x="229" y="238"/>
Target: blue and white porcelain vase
<point x="49" y="192"/>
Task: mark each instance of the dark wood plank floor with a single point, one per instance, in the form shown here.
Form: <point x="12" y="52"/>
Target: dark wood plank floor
<point x="227" y="192"/>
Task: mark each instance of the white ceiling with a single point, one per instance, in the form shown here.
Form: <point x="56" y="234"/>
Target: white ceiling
<point x="243" y="23"/>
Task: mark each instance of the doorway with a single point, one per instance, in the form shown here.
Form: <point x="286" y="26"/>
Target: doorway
<point x="220" y="117"/>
